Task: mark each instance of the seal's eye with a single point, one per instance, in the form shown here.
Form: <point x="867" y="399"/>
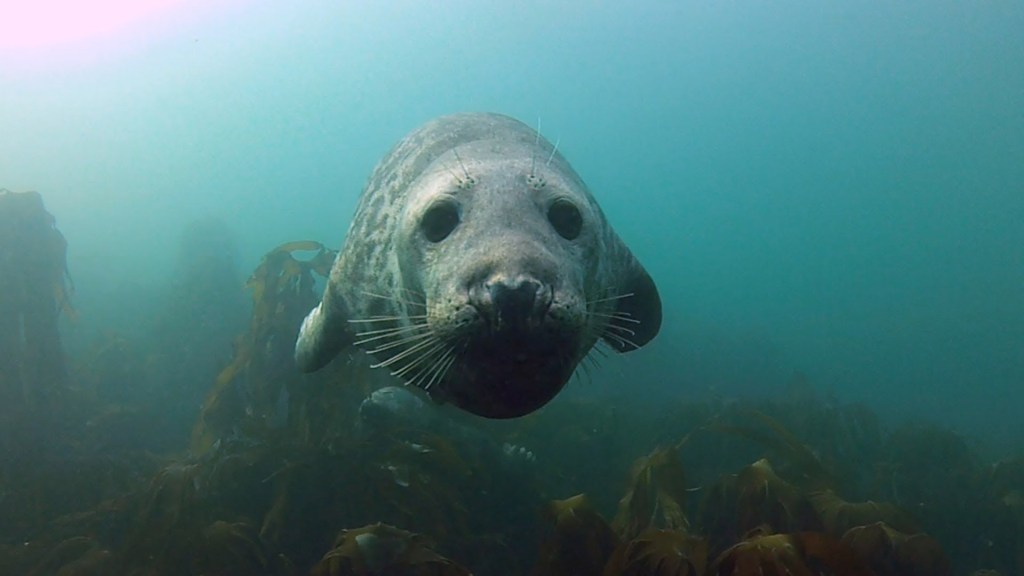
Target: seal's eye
<point x="566" y="219"/>
<point x="439" y="220"/>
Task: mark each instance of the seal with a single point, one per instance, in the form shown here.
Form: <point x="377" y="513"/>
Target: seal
<point x="478" y="267"/>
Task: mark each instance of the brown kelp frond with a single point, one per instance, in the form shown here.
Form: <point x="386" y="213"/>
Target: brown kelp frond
<point x="755" y="497"/>
<point x="235" y="548"/>
<point x="799" y="554"/>
<point x="248" y="392"/>
<point x="657" y="552"/>
<point x="420" y="480"/>
<point x="807" y="469"/>
<point x="34" y="289"/>
<point x="891" y="552"/>
<point x="838" y="515"/>
<point x="656" y="495"/>
<point x="383" y="549"/>
<point x="579" y="542"/>
<point x="78" y="555"/>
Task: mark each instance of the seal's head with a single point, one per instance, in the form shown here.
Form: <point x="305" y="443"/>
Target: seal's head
<point x="497" y="272"/>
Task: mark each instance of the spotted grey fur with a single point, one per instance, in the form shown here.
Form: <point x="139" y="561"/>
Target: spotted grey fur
<point x="494" y="310"/>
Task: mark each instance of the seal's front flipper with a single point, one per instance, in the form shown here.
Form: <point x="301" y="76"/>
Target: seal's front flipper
<point x="323" y="334"/>
<point x="641" y="311"/>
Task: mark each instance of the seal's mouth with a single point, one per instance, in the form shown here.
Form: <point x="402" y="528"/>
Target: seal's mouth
<point x="509" y="374"/>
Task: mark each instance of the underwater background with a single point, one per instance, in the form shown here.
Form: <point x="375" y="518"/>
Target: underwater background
<point x="830" y="197"/>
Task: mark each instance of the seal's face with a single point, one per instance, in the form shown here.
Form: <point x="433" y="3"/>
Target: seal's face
<point x="502" y="252"/>
<point x="480" y="269"/>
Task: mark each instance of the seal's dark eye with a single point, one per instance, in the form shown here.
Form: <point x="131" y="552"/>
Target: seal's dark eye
<point x="566" y="219"/>
<point x="439" y="220"/>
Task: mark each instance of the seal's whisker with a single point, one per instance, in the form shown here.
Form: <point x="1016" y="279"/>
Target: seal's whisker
<point x="622" y="329"/>
<point x="421" y="364"/>
<point x="455" y="152"/>
<point x="450" y="171"/>
<point x="610" y="298"/>
<point x="594" y="332"/>
<point x="404" y="354"/>
<point x="401" y="342"/>
<point x="386" y="318"/>
<point x="533" y="153"/>
<point x="421" y="379"/>
<point x="623" y="316"/>
<point x="622" y="341"/>
<point x="394" y="299"/>
<point x="419" y="296"/>
<point x="375" y="335"/>
<point x="443" y="369"/>
<point x="401" y="372"/>
<point x="395" y="330"/>
<point x="416" y="378"/>
<point x="553" y="151"/>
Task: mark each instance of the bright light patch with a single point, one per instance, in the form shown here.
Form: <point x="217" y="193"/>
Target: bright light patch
<point x="29" y="24"/>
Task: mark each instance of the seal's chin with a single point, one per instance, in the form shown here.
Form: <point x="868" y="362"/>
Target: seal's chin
<point x="506" y="376"/>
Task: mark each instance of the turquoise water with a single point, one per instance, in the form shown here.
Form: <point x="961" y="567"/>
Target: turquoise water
<point x="830" y="188"/>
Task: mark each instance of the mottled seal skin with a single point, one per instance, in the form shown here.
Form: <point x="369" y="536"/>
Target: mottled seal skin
<point x="479" y="268"/>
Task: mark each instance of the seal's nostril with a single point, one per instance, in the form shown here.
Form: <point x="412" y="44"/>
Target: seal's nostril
<point x="513" y="302"/>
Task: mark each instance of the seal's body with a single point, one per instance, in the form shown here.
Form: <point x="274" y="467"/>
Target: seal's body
<point x="479" y="268"/>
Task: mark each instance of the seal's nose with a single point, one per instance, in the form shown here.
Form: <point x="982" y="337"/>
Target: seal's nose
<point x="512" y="302"/>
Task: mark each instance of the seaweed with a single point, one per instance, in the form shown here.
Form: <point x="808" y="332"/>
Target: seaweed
<point x="806" y="467"/>
<point x="656" y="552"/>
<point x="382" y="549"/>
<point x="797" y="554"/>
<point x="34" y="290"/>
<point x="893" y="553"/>
<point x="838" y="515"/>
<point x="656" y="495"/>
<point x="755" y="497"/>
<point x="249" y="392"/>
<point x="280" y="461"/>
<point x="580" y="541"/>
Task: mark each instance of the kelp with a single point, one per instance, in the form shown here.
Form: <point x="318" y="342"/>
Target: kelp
<point x="579" y="541"/>
<point x="799" y="554"/>
<point x="249" y="392"/>
<point x="752" y="498"/>
<point x="78" y="556"/>
<point x="656" y="552"/>
<point x="838" y="515"/>
<point x="935" y="473"/>
<point x="656" y="496"/>
<point x="190" y="334"/>
<point x="235" y="549"/>
<point x="380" y="549"/>
<point x="890" y="552"/>
<point x="806" y="469"/>
<point x="34" y="290"/>
<point x="1005" y="496"/>
<point x="281" y="463"/>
